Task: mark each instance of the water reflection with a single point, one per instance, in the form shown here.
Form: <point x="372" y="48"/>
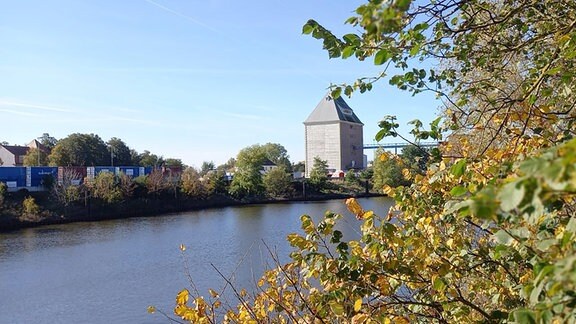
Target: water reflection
<point x="108" y="272"/>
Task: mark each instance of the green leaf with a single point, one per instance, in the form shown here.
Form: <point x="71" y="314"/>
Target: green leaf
<point x="546" y="244"/>
<point x="524" y="316"/>
<point x="403" y="4"/>
<point x="458" y="191"/>
<point x="309" y="27"/>
<point x="502" y="237"/>
<point x="439" y="284"/>
<point x="458" y="168"/>
<point x="511" y="195"/>
<point x="348" y="51"/>
<point x="381" y="57"/>
<point x="336" y="93"/>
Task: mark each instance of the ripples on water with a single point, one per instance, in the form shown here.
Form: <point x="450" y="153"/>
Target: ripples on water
<point x="110" y="271"/>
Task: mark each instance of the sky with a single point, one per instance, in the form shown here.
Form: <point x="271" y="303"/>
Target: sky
<point x="195" y="80"/>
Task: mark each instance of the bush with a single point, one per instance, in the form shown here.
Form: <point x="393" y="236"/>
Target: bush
<point x="30" y="210"/>
<point x="2" y="193"/>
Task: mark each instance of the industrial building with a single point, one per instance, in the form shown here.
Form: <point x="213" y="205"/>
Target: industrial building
<point x="333" y="133"/>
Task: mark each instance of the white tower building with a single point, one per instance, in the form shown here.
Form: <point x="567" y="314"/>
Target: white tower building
<point x="334" y="134"/>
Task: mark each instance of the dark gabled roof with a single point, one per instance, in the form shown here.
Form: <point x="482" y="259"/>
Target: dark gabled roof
<point x="16" y="150"/>
<point x="332" y="110"/>
<point x="267" y="162"/>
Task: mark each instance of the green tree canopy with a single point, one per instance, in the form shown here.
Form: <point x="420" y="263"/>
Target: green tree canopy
<point x="121" y="153"/>
<point x="247" y="183"/>
<point x="148" y="159"/>
<point x="35" y="157"/>
<point x="387" y="171"/>
<point x="80" y="150"/>
<point x="173" y="162"/>
<point x="278" y="182"/>
<point x="206" y="167"/>
<point x="48" y="141"/>
<point x="319" y="174"/>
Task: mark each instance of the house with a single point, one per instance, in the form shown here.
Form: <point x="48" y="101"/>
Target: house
<point x="13" y="155"/>
<point x="267" y="166"/>
<point x="334" y="134"/>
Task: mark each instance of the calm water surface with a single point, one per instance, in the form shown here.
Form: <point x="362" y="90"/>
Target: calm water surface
<point x="110" y="271"/>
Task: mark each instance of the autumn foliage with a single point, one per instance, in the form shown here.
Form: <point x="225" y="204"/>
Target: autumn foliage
<point x="488" y="233"/>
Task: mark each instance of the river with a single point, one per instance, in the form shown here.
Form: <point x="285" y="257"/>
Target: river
<point x="110" y="271"/>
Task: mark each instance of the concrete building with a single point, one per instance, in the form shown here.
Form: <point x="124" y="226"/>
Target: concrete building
<point x="334" y="134"/>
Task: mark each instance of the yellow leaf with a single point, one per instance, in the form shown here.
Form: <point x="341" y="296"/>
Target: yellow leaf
<point x="151" y="309"/>
<point x="354" y="207"/>
<point x="213" y="293"/>
<point x="388" y="190"/>
<point x="182" y="247"/>
<point x="406" y="173"/>
<point x="182" y="297"/>
<point x="359" y="318"/>
<point x="358" y="304"/>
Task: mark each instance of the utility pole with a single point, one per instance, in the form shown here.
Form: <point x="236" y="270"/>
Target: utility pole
<point x="111" y="156"/>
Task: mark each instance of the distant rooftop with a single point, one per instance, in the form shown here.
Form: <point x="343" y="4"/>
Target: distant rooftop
<point x="16" y="150"/>
<point x="332" y="110"/>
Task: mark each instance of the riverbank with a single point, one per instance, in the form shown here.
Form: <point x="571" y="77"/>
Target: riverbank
<point x="14" y="217"/>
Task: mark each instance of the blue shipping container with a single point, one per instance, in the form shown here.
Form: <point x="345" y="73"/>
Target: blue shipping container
<point x="13" y="176"/>
<point x="40" y="173"/>
<point x="132" y="171"/>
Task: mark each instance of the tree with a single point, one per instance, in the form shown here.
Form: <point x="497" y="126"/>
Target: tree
<point x="148" y="159"/>
<point x="174" y="163"/>
<point x="215" y="182"/>
<point x="247" y="183"/>
<point x="105" y="186"/>
<point x="277" y="154"/>
<point x="156" y="182"/>
<point x="68" y="189"/>
<point x="120" y="153"/>
<point x="134" y="157"/>
<point x="415" y="158"/>
<point x="485" y="235"/>
<point x="192" y="185"/>
<point x="278" y="182"/>
<point x="35" y="157"/>
<point x="319" y="174"/>
<point x="206" y="167"/>
<point x="48" y="141"/>
<point x="388" y="171"/>
<point x="80" y="150"/>
<point x="228" y="166"/>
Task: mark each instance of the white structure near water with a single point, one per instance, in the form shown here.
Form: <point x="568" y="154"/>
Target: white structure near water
<point x="334" y="134"/>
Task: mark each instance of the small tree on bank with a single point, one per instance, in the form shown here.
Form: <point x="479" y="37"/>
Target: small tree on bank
<point x="278" y="183"/>
<point x="319" y="175"/>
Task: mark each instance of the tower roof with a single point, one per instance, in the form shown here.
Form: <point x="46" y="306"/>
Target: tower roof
<point x="332" y="110"/>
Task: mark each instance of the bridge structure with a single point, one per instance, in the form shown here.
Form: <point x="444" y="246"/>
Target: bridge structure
<point x="397" y="146"/>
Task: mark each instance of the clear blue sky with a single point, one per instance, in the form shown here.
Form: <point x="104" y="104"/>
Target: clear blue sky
<point x="189" y="79"/>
